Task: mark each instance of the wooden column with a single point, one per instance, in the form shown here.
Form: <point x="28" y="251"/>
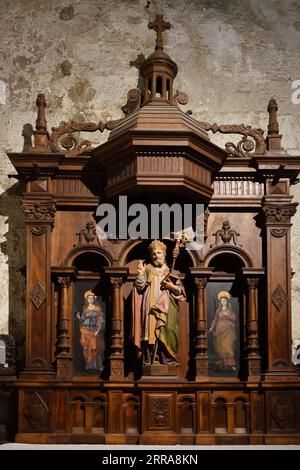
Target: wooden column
<point x="64" y="358"/>
<point x="253" y="358"/>
<point x="201" y="358"/>
<point x="117" y="277"/>
<point x="277" y="211"/>
<point x="39" y="218"/>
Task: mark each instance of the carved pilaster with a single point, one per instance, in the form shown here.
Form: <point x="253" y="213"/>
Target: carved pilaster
<point x="39" y="219"/>
<point x="117" y="278"/>
<point x="277" y="212"/>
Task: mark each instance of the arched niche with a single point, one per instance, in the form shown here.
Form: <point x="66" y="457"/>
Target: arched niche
<point x="130" y="256"/>
<point x="227" y="259"/>
<point x="90" y="353"/>
<point x="136" y="250"/>
<point x="226" y="310"/>
<point x="85" y="254"/>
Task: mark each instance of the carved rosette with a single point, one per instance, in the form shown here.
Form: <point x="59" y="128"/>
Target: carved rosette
<point x="39" y="214"/>
<point x="279" y="214"/>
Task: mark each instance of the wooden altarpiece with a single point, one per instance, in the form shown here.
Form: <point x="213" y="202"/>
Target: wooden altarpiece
<point x="158" y="153"/>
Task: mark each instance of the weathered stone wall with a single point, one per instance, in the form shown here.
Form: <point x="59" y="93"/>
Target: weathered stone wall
<point x="232" y="57"/>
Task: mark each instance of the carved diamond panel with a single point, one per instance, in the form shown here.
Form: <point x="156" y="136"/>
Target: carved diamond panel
<point x="279" y="297"/>
<point x="38" y="296"/>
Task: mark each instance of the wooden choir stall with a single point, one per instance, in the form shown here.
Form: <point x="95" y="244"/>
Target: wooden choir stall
<point x="120" y="349"/>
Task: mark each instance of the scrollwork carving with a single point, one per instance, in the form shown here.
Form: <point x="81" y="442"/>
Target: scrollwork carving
<point x="133" y="102"/>
<point x="63" y="139"/>
<point x="226" y="234"/>
<point x="180" y="97"/>
<point x="252" y="139"/>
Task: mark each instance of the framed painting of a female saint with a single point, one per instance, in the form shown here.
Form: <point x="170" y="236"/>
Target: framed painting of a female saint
<point x="223" y="314"/>
<point x="89" y="328"/>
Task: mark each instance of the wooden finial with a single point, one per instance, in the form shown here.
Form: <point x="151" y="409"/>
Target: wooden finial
<point x="273" y="139"/>
<point x="41" y="123"/>
<point x="273" y="127"/>
<point x="41" y="136"/>
<point x="159" y="25"/>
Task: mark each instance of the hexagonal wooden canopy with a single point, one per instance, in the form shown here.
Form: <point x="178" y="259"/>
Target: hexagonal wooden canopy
<point x="158" y="147"/>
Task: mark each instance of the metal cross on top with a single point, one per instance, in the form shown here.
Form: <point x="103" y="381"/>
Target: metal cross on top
<point x="159" y="25"/>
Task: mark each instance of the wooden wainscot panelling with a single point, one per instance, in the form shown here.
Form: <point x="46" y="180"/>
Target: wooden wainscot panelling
<point x="257" y="417"/>
<point x="204" y="417"/>
<point x="131" y="417"/>
<point x="186" y="419"/>
<point x="35" y="421"/>
<point x="229" y="417"/>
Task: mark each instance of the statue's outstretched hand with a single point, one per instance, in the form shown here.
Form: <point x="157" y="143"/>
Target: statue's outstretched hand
<point x="141" y="267"/>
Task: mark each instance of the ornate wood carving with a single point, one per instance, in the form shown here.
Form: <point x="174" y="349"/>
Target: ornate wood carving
<point x="70" y="144"/>
<point x="275" y="213"/>
<point x="278" y="232"/>
<point x="36" y="411"/>
<point x="279" y="297"/>
<point x="38" y="296"/>
<point x="159" y="412"/>
<point x="283" y="411"/>
<point x="133" y="102"/>
<point x="252" y="140"/>
<point x="87" y="234"/>
<point x="226" y="234"/>
<point x="39" y="212"/>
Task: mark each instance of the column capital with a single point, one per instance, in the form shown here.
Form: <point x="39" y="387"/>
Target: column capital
<point x="278" y="213"/>
<point x="200" y="282"/>
<point x="39" y="212"/>
<point x="252" y="282"/>
<point x="64" y="281"/>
